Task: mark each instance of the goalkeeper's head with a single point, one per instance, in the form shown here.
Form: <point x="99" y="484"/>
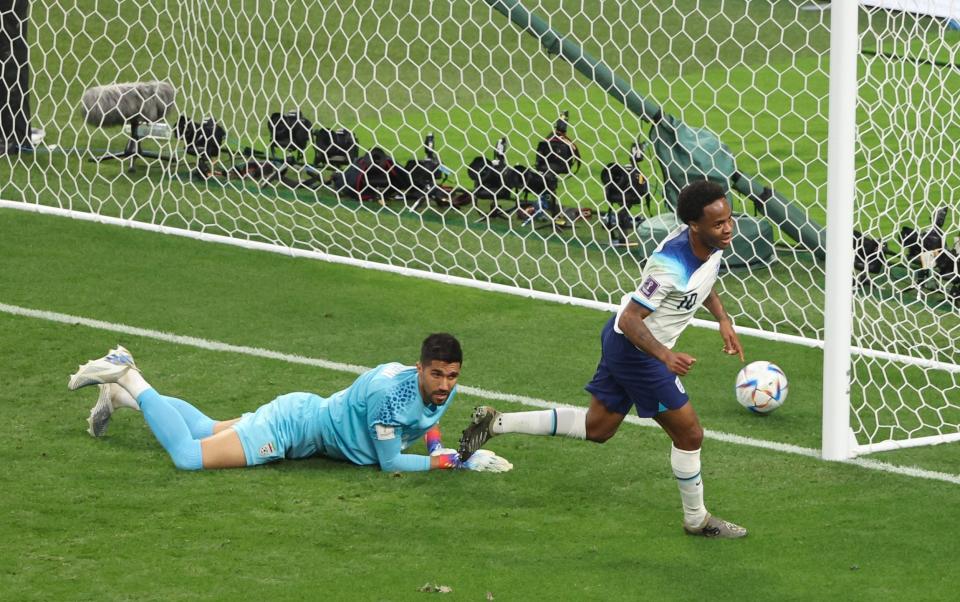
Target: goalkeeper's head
<point x="439" y="367"/>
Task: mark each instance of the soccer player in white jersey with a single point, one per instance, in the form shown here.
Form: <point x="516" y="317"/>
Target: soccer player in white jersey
<point x="638" y="366"/>
<point x="369" y="423"/>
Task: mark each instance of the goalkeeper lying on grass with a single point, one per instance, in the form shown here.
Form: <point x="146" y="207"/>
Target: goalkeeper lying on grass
<point x="370" y="422"/>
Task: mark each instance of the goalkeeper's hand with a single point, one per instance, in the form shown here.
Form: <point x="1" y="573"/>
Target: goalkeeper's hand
<point x="482" y="460"/>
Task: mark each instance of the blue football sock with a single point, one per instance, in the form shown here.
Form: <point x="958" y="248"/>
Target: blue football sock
<point x="170" y="429"/>
<point x="200" y="425"/>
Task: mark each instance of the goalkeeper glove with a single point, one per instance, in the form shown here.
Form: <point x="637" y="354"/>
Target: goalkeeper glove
<point x="482" y="460"/>
<point x="432" y="441"/>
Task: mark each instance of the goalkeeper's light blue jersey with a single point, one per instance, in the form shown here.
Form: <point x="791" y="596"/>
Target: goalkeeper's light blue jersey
<point x="383" y="403"/>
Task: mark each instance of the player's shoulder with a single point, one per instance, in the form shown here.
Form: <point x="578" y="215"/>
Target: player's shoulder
<point x="393" y="370"/>
<point x="669" y="255"/>
<point x="715" y="259"/>
<point x="675" y="256"/>
<point x="397" y="386"/>
<point x="675" y="244"/>
<point x="393" y="378"/>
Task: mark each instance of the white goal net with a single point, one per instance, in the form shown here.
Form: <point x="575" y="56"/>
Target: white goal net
<point x="530" y="146"/>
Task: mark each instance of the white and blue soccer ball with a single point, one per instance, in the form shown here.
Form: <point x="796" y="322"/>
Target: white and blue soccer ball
<point x="761" y="387"/>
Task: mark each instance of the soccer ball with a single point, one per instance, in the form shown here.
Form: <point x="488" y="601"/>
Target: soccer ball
<point x="761" y="387"/>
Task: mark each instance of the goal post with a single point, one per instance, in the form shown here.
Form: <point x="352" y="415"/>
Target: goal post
<point x="535" y="147"/>
<point x="841" y="191"/>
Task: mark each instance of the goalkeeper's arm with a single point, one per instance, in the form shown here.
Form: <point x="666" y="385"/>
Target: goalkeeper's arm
<point x="445" y="458"/>
<point x="432" y="440"/>
<point x="439" y="455"/>
<point x="389" y="453"/>
<point x="441" y="458"/>
<point x="392" y="460"/>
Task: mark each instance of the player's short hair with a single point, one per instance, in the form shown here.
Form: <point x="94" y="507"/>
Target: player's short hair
<point x="441" y="346"/>
<point x="695" y="196"/>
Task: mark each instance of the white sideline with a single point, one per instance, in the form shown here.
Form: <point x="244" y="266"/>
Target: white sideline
<point x="482" y="393"/>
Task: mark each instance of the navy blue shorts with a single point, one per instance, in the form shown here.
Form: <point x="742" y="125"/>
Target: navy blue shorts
<point x="627" y="376"/>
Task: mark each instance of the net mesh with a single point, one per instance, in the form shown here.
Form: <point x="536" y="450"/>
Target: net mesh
<point x="392" y="73"/>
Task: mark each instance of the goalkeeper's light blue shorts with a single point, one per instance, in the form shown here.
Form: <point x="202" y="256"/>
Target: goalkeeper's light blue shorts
<point x="287" y="427"/>
<point x="628" y="377"/>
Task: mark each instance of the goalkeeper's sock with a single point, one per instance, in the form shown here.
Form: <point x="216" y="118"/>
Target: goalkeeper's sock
<point x="562" y="422"/>
<point x="133" y="382"/>
<point x="171" y="430"/>
<point x="686" y="468"/>
<point x="197" y="422"/>
<point x="200" y="424"/>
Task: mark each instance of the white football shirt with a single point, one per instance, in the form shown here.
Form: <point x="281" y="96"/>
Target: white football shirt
<point x="673" y="286"/>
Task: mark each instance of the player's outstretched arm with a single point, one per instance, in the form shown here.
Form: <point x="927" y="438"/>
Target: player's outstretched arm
<point x="731" y="342"/>
<point x="389" y="450"/>
<point x="389" y="453"/>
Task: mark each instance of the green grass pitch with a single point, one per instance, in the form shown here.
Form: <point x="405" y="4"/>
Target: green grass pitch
<point x="112" y="518"/>
<point x="737" y="72"/>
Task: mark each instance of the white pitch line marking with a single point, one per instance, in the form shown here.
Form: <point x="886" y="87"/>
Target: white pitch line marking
<point x="909" y="471"/>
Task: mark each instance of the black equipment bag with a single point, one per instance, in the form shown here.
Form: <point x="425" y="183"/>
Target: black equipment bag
<point x="290" y="132"/>
<point x="533" y="182"/>
<point x="541" y="185"/>
<point x="203" y="139"/>
<point x="558" y="155"/>
<point x="869" y="253"/>
<point x="334" y="147"/>
<point x="424" y="175"/>
<point x="948" y="265"/>
<point x="14" y="76"/>
<point x="427" y="175"/>
<point x="493" y="179"/>
<point x="624" y="186"/>
<point x="375" y="175"/>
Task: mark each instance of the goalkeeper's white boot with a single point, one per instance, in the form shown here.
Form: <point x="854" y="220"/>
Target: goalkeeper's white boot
<point x="716" y="527"/>
<point x="479" y="431"/>
<point x="112" y="398"/>
<point x="107" y="369"/>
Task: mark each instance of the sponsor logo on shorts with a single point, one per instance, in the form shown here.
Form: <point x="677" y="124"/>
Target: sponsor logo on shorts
<point x="649" y="287"/>
<point x="267" y="450"/>
<point x="679" y="385"/>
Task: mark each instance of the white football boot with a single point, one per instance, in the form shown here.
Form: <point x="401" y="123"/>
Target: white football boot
<point x="112" y="398"/>
<point x="107" y="369"/>
<point x="717" y="527"/>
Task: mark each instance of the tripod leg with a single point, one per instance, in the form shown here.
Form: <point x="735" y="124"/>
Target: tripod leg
<point x="133" y="149"/>
<point x="494" y="213"/>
